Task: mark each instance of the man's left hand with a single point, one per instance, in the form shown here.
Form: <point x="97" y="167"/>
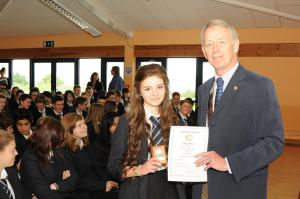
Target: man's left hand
<point x="212" y="160"/>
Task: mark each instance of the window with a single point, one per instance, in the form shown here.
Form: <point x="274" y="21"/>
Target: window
<point x="86" y="68"/>
<point x="182" y="76"/>
<point x="208" y="71"/>
<point x="21" y="77"/>
<point x="42" y="75"/>
<point x="65" y="76"/>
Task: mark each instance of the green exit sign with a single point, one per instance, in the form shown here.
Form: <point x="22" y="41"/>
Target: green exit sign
<point x="48" y="44"/>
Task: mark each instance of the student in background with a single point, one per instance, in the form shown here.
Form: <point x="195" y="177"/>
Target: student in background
<point x="151" y="114"/>
<point x="93" y="121"/>
<point x="58" y="107"/>
<point x="76" y="91"/>
<point x="68" y="102"/>
<point x="93" y="183"/>
<point x="10" y="184"/>
<point x="6" y="122"/>
<point x="5" y="84"/>
<point x="22" y="132"/>
<point x="95" y="84"/>
<point x="176" y="101"/>
<point x="44" y="168"/>
<point x="3" y="104"/>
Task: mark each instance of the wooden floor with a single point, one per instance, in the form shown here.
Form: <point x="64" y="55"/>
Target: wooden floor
<point x="284" y="174"/>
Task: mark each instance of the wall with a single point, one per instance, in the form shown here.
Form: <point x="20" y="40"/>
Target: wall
<point x="282" y="70"/>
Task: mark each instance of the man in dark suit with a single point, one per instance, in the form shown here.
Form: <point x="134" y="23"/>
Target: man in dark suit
<point x="243" y="117"/>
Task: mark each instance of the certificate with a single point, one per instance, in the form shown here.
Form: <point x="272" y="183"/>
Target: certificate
<point x="185" y="142"/>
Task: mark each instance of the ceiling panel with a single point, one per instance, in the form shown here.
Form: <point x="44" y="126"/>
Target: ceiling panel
<point x="263" y="20"/>
<point x="262" y="2"/>
<point x="33" y="17"/>
<point x="145" y="21"/>
<point x="244" y="20"/>
<point x="288" y="2"/>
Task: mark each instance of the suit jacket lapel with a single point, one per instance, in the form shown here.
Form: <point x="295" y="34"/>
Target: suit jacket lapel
<point x="231" y="90"/>
<point x="204" y="97"/>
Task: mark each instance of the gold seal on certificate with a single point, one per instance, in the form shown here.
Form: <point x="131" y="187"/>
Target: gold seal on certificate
<point x="159" y="152"/>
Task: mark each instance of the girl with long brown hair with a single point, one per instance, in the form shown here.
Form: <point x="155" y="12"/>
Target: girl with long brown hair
<point x="45" y="171"/>
<point x="93" y="183"/>
<point x="143" y="176"/>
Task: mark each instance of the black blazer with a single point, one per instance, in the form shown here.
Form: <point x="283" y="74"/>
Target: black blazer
<point x="133" y="188"/>
<point x="19" y="190"/>
<point x="21" y="144"/>
<point x="98" y="86"/>
<point x="37" y="115"/>
<point x="68" y="109"/>
<point x="52" y="114"/>
<point x="92" y="174"/>
<point x="38" y="178"/>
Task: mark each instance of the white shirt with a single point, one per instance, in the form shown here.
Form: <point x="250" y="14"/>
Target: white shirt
<point x="4" y="176"/>
<point x="226" y="78"/>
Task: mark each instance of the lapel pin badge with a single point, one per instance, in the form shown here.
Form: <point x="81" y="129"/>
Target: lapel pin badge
<point x="235" y="88"/>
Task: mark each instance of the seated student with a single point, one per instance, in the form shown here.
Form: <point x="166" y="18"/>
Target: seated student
<point x="101" y="99"/>
<point x="6" y="122"/>
<point x="41" y="110"/>
<point x="191" y="117"/>
<point x="48" y="97"/>
<point x="10" y="185"/>
<point x="120" y="106"/>
<point x="14" y="104"/>
<point x="110" y="107"/>
<point x="44" y="169"/>
<point x="93" y="181"/>
<point x="25" y="101"/>
<point x="102" y="144"/>
<point x="111" y="95"/>
<point x="80" y="106"/>
<point x="3" y="104"/>
<point x="184" y="110"/>
<point x="68" y="102"/>
<point x="22" y="132"/>
<point x="58" y="106"/>
<point x="76" y="91"/>
<point x="93" y="121"/>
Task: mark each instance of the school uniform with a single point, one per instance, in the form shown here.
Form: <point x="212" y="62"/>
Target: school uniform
<point x="38" y="177"/>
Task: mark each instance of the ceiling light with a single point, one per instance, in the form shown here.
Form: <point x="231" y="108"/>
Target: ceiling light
<point x="260" y="9"/>
<point x="61" y="9"/>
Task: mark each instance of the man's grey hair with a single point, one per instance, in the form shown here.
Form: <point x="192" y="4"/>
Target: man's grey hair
<point x="222" y="23"/>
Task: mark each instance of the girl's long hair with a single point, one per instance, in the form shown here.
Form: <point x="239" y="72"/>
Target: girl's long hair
<point x="136" y="117"/>
<point x="95" y="116"/>
<point x="69" y="123"/>
<point x="48" y="135"/>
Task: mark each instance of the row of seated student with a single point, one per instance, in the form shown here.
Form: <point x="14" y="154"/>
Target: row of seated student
<point x="60" y="161"/>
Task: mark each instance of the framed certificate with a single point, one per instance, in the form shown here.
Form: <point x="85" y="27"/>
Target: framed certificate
<point x="185" y="142"/>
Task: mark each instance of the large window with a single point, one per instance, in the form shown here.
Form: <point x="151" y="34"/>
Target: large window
<point x="208" y="71"/>
<point x="182" y="76"/>
<point x="86" y="68"/>
<point x="21" y="75"/>
<point x="42" y="75"/>
<point x="64" y="76"/>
